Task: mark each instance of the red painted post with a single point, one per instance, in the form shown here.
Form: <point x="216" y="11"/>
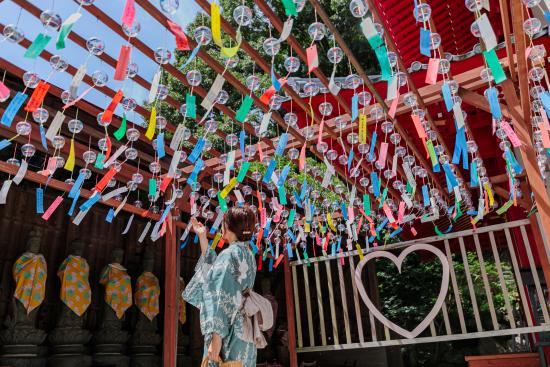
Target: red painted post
<point x="171" y="278"/>
<point x="291" y="323"/>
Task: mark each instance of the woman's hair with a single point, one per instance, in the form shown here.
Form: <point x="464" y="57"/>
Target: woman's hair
<point x="241" y="221"/>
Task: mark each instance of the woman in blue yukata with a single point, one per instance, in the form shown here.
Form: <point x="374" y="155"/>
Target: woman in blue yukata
<point x="219" y="285"/>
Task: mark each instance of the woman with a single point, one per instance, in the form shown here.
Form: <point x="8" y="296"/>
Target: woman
<point x="218" y="285"/>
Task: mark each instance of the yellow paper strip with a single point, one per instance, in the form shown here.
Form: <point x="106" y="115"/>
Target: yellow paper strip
<point x="489" y="194"/>
<point x="226" y="190"/>
<point x="216" y="240"/>
<point x="152" y="124"/>
<point x="215" y="25"/>
<point x="69" y="164"/>
<point x="330" y="222"/>
<point x="360" y="251"/>
<point x="362" y="128"/>
<point x="307" y="227"/>
<point x="231" y="51"/>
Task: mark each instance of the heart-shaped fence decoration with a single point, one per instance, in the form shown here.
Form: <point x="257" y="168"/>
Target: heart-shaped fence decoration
<point x="398" y="261"/>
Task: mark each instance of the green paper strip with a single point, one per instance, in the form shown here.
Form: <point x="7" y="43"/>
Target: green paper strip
<point x="438" y="232"/>
<point x="366" y="204"/>
<point x="244" y="109"/>
<point x="243" y="171"/>
<point x="375" y="41"/>
<point x="152" y="187"/>
<point x="121" y="131"/>
<point x="191" y="106"/>
<point x="431" y="152"/>
<point x="37" y="46"/>
<point x="384" y="194"/>
<point x="385" y="68"/>
<point x="458" y="211"/>
<point x="306" y="257"/>
<point x="494" y="64"/>
<point x="99" y="161"/>
<point x="66" y="29"/>
<point x="290" y="8"/>
<point x="409" y="187"/>
<point x="503" y="209"/>
<point x="291" y="216"/>
<point x="282" y="195"/>
<point x="223" y="204"/>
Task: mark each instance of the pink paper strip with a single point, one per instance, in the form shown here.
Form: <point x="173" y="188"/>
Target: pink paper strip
<point x="302" y="162"/>
<point x="122" y="64"/>
<point x="388" y="213"/>
<point x="351" y="213"/>
<point x="418" y="125"/>
<point x="431" y="74"/>
<point x="383" y="153"/>
<point x="511" y="134"/>
<point x="72" y="103"/>
<point x="545" y="129"/>
<point x="393" y="106"/>
<point x="129" y="13"/>
<point x="342" y="258"/>
<point x="401" y="212"/>
<point x="413" y="231"/>
<point x="52" y="208"/>
<point x="262" y="217"/>
<point x="320" y="136"/>
<point x="4" y="91"/>
<point x="312" y="59"/>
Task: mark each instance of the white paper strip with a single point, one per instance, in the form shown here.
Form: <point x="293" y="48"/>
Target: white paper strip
<point x="120" y="206"/>
<point x="178" y="137"/>
<point x="274" y="179"/>
<point x="239" y="195"/>
<point x="21" y="172"/>
<point x="78" y="218"/>
<point x="173" y="198"/>
<point x="459" y="118"/>
<point x="218" y="220"/>
<point x="226" y="176"/>
<point x="127" y="228"/>
<point x="410" y="177"/>
<point x="367" y="26"/>
<point x="265" y="123"/>
<point x="352" y="195"/>
<point x="154" y="86"/>
<point x="334" y="89"/>
<point x="287" y="28"/>
<point x="113" y="193"/>
<point x="458" y="197"/>
<point x="174" y="163"/>
<point x="328" y="174"/>
<point x="487" y="32"/>
<point x="77" y="79"/>
<point x="4" y="191"/>
<point x="115" y="155"/>
<point x="354" y="231"/>
<point x="392" y="88"/>
<point x="407" y="200"/>
<point x="55" y="125"/>
<point x="210" y="99"/>
<point x="155" y="232"/>
<point x="186" y="232"/>
<point x="408" y="218"/>
<point x="394" y="166"/>
<point x="144" y="232"/>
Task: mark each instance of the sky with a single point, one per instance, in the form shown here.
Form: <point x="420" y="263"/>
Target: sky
<point x="152" y="34"/>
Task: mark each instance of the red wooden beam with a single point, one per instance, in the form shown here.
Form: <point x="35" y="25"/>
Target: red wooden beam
<point x="171" y="278"/>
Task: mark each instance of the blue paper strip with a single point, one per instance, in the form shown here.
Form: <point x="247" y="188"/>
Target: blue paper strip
<point x="283" y="140"/>
<point x="242" y="137"/>
<point x="274" y="80"/>
<point x="447" y="96"/>
<point x="194" y="174"/>
<point x="375" y="183"/>
<point x="271" y="264"/>
<point x="451" y="179"/>
<point x="191" y="57"/>
<point x="425" y="195"/>
<point x="4" y="143"/>
<point x="518" y="169"/>
<point x="354" y="107"/>
<point x="545" y="99"/>
<point x="269" y="171"/>
<point x="298" y="201"/>
<point x="165" y="213"/>
<point x="492" y="97"/>
<point x="253" y="245"/>
<point x="110" y="215"/>
<point x="13" y="108"/>
<point x="473" y="174"/>
<point x="184" y="244"/>
<point x="289" y="250"/>
<point x="303" y="191"/>
<point x="396" y="232"/>
<point x="283" y="176"/>
<point x="547" y="16"/>
<point x="333" y="251"/>
<point x="91" y="201"/>
<point x="43" y="136"/>
<point x="39" y="200"/>
<point x="425" y="42"/>
<point x="372" y="145"/>
<point x="350" y="158"/>
<point x="344" y="211"/>
<point x="75" y="190"/>
<point x="267" y="227"/>
<point x="196" y="152"/>
<point x="382" y="225"/>
<point x="160" y="145"/>
<point x="339" y="243"/>
<point x="73" y="206"/>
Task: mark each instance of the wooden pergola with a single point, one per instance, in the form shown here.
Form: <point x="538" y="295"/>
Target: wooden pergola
<point x="514" y="106"/>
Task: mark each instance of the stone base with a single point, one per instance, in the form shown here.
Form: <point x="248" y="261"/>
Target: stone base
<point x="111" y="360"/>
<point x="183" y="360"/>
<point x="22" y="361"/>
<point x="69" y="360"/>
<point x="144" y="360"/>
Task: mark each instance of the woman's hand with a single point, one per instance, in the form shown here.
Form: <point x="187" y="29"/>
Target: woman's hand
<point x="200" y="230"/>
<point x="214" y="348"/>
